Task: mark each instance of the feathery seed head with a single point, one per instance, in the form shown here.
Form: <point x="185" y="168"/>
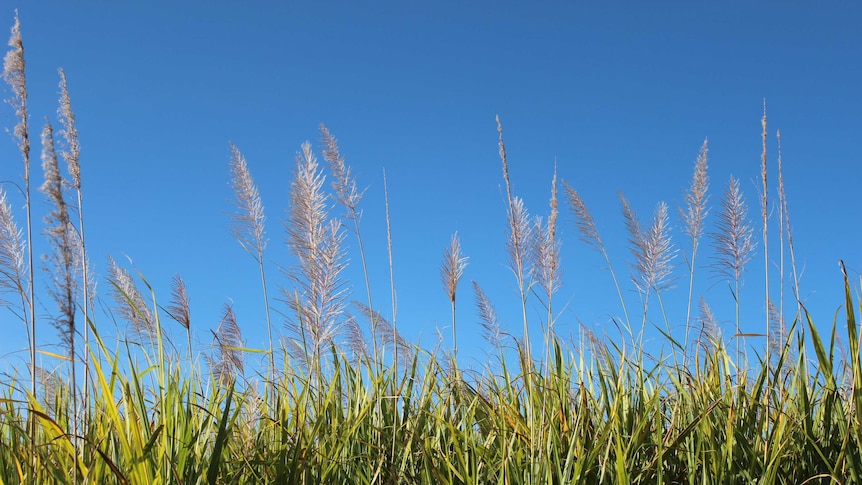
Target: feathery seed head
<point x="356" y="342"/>
<point x="179" y="307"/>
<point x="764" y="211"/>
<point x="316" y="242"/>
<point x="733" y="241"/>
<point x="656" y="266"/>
<point x="583" y="219"/>
<point x="13" y="62"/>
<point x="453" y="267"/>
<point x="346" y="192"/>
<point x="777" y="329"/>
<point x="247" y="222"/>
<point x="546" y="257"/>
<point x="12" y="250"/>
<point x="637" y="240"/>
<point x="53" y="185"/>
<point x="660" y="248"/>
<point x="696" y="197"/>
<point x="710" y="331"/>
<point x="62" y="263"/>
<point x="491" y="329"/>
<point x="72" y="154"/>
<point x="552" y="219"/>
<point x="387" y="333"/>
<point x="14" y="75"/>
<point x="228" y="342"/>
<point x="547" y="250"/>
<point x="520" y="235"/>
<point x="308" y="207"/>
<point x="129" y="302"/>
<point x="652" y="249"/>
<point x="50" y="383"/>
<point x="633" y="225"/>
<point x="505" y="164"/>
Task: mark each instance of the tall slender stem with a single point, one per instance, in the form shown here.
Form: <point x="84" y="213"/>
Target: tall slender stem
<point x="396" y="386"/>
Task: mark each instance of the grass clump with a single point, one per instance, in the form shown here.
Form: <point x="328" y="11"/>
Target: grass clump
<point x="332" y="406"/>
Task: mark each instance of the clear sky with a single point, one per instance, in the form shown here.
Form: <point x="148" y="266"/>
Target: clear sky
<point x="620" y="94"/>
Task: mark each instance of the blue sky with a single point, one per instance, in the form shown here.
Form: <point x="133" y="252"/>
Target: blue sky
<point x="620" y="94"/>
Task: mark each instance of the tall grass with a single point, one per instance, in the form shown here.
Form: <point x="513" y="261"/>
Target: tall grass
<point x="451" y="273"/>
<point x="694" y="221"/>
<point x="14" y="73"/>
<point x="335" y="409"/>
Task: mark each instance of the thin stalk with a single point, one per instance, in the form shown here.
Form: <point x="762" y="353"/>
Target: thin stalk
<point x="733" y="244"/>
<point x="450" y="274"/>
<point x="14" y="73"/>
<point x="590" y="235"/>
<point x="396" y="386"/>
<point x="272" y="370"/>
<point x="248" y="228"/>
<point x="454" y="337"/>
<point x="653" y="255"/>
<point x="391" y="269"/>
<point x="518" y="236"/>
<point x="365" y="273"/>
<point x="179" y="310"/>
<point x="781" y="232"/>
<point x="778" y="333"/>
<point x="693" y="219"/>
<point x="546" y="263"/>
<point x="764" y="208"/>
<point x="783" y="201"/>
<point x="764" y="212"/>
<point x="641" y="335"/>
<point x="738" y="334"/>
<point x="72" y="156"/>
